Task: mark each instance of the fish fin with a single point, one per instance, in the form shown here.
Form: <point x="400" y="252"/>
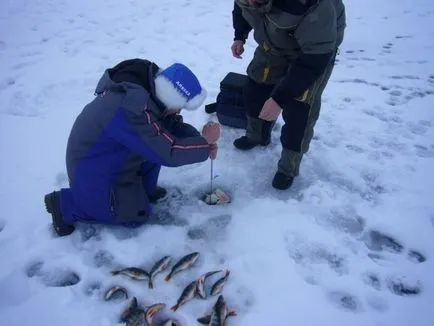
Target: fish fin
<point x="174" y="308"/>
<point x="168" y="278"/>
<point x="150" y="283"/>
<point x="232" y="313"/>
<point x="115" y="272"/>
<point x="205" y="320"/>
<point x="198" y="294"/>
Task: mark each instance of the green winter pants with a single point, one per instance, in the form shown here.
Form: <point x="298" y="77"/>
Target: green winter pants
<point x="300" y="115"/>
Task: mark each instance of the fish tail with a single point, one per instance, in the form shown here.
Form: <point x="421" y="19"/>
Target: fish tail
<point x="115" y="272"/>
<point x="174" y="308"/>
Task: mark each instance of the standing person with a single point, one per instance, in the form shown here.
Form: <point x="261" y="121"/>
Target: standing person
<point x="121" y="139"/>
<point x="297" y="44"/>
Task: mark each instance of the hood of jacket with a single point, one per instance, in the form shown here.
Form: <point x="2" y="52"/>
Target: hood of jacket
<point x="133" y="77"/>
<point x="295" y="7"/>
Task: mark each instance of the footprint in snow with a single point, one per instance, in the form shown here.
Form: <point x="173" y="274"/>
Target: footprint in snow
<point x="372" y="280"/>
<point x="355" y="148"/>
<point x="377" y="241"/>
<point x="211" y="229"/>
<point x="387" y="47"/>
<point x="34" y="269"/>
<point x="419" y="128"/>
<point x="122" y="232"/>
<point x="403" y="287"/>
<point x="103" y="258"/>
<point x="423" y="151"/>
<point x="313" y="256"/>
<point x="93" y="289"/>
<point x="8" y="82"/>
<point x="370" y="179"/>
<point x="403" y="36"/>
<point x="345" y="301"/>
<point x="89" y="232"/>
<point x="416" y="256"/>
<point x="2" y="225"/>
<point x="56" y="277"/>
<point x="346" y="221"/>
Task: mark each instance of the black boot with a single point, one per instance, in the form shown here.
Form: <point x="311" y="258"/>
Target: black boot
<point x="245" y="143"/>
<point x="282" y="181"/>
<point x="158" y="194"/>
<point x="258" y="133"/>
<point x="52" y="206"/>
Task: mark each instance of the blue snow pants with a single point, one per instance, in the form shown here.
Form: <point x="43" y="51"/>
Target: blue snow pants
<point x="77" y="204"/>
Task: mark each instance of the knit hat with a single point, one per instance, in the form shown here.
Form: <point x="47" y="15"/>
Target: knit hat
<point x="177" y="87"/>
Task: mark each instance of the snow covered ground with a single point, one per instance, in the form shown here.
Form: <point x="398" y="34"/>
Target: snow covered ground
<point x="350" y="244"/>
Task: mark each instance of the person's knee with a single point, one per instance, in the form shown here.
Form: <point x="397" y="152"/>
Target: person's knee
<point x="255" y="95"/>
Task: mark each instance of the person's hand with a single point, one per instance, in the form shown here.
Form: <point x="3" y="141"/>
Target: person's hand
<point x="211" y="132"/>
<point x="237" y="49"/>
<point x="270" y="111"/>
<point x="213" y="148"/>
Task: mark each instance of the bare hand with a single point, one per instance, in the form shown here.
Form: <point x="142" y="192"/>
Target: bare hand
<point x="211" y="132"/>
<point x="237" y="49"/>
<point x="270" y="111"/>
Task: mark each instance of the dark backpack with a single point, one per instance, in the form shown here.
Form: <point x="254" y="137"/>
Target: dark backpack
<point x="229" y="105"/>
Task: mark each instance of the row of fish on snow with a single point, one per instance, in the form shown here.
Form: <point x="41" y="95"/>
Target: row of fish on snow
<point x="135" y="315"/>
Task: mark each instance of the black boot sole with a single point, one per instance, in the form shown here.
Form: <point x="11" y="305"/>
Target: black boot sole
<point x="59" y="226"/>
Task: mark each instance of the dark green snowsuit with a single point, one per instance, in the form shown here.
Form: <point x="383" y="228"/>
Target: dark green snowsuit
<point x="297" y="44"/>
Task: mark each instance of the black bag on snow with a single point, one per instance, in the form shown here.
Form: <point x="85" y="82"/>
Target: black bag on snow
<point x="229" y="105"/>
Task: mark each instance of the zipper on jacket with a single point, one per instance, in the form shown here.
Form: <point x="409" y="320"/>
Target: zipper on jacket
<point x="112" y="201"/>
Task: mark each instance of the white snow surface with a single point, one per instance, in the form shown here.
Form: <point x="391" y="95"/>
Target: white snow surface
<point x="300" y="257"/>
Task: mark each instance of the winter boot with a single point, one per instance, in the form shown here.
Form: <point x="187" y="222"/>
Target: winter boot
<point x="158" y="194"/>
<point x="258" y="132"/>
<point x="281" y="181"/>
<point x="288" y="168"/>
<point x="52" y="206"/>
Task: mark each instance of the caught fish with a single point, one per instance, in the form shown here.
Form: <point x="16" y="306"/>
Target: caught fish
<point x="184" y="263"/>
<point x="170" y="322"/>
<point x="116" y="292"/>
<point x="135" y="273"/>
<point x="201" y="283"/>
<point x="159" y="267"/>
<point x="205" y="320"/>
<point x="132" y="305"/>
<point x="188" y="294"/>
<point x="135" y="318"/>
<point x="219" y="313"/>
<point x="151" y="311"/>
<point x="218" y="286"/>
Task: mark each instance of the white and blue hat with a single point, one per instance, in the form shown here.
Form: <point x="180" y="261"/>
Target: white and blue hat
<point x="177" y="87"/>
